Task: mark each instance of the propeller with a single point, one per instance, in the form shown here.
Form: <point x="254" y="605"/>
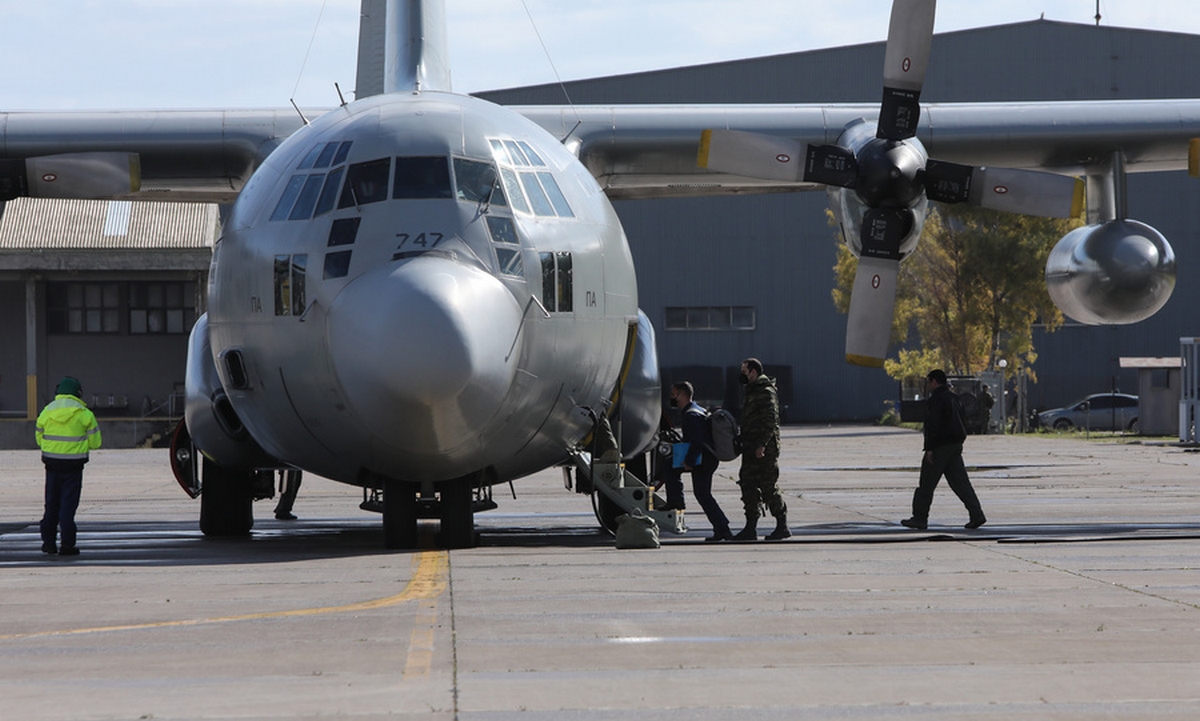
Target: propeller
<point x="892" y="175"/>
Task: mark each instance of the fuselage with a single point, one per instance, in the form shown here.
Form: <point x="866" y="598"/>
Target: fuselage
<point x="420" y="286"/>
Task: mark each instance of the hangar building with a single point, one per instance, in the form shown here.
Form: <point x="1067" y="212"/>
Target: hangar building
<point x="119" y="284"/>
<point x="762" y="266"/>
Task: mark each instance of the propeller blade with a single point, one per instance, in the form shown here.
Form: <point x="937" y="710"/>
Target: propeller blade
<point x="948" y="182"/>
<point x="910" y="36"/>
<point x="1027" y="192"/>
<point x="872" y="302"/>
<point x="831" y="165"/>
<point x="753" y="155"/>
<point x="873" y="298"/>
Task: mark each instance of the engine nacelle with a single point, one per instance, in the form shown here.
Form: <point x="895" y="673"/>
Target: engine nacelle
<point x="1115" y="273"/>
<point x="72" y="175"/>
<point x="215" y="428"/>
<point x="848" y="205"/>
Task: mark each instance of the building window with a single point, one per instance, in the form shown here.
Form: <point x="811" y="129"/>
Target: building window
<point x="158" y="307"/>
<point x="718" y="317"/>
<point x="161" y="307"/>
<point x="83" y="308"/>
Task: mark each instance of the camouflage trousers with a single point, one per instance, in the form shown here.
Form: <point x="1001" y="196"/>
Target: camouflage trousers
<point x="759" y="481"/>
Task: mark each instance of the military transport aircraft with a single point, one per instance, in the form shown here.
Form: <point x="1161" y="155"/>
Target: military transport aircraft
<point x="424" y="294"/>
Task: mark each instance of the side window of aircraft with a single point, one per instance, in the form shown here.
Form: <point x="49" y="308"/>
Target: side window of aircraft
<point x="422" y="178"/>
<point x="508" y="248"/>
<point x="344" y="231"/>
<point x="557" y="282"/>
<point x="478" y="182"/>
<point x="289" y="284"/>
<point x="366" y="183"/>
<point x="337" y="265"/>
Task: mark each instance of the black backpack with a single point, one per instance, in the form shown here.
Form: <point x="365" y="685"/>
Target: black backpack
<point x="727" y="445"/>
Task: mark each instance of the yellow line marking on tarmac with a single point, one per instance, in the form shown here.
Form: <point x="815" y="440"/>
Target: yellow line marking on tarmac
<point x="428" y="581"/>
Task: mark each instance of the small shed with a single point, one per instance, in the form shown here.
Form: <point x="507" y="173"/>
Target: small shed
<point x="1159" y="391"/>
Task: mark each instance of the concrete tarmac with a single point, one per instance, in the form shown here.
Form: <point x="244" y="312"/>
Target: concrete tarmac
<point x="1080" y="599"/>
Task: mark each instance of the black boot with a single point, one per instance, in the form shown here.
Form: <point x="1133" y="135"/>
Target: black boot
<point x="750" y="532"/>
<point x="781" y="530"/>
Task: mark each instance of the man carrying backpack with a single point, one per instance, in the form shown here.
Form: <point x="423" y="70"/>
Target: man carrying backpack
<point x="700" y="459"/>
<point x="759" y="475"/>
<point x="945" y="432"/>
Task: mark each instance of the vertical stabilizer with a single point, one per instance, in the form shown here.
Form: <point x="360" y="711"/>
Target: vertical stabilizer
<point x="402" y="47"/>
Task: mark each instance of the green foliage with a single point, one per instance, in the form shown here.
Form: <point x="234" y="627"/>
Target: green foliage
<point x="972" y="291"/>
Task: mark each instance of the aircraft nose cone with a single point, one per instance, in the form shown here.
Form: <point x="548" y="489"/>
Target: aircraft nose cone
<point x="425" y="351"/>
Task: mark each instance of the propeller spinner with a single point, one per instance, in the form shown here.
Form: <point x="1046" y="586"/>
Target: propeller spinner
<point x="892" y="176"/>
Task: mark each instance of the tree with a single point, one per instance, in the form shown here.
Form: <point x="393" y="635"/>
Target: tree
<point x="972" y="291"/>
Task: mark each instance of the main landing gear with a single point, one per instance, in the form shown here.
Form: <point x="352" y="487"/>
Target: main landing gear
<point x="403" y="504"/>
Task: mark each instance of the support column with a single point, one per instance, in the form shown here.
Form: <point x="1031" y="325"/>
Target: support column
<point x="31" y="409"/>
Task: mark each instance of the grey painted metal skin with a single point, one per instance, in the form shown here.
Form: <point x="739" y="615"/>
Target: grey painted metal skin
<point x="431" y="366"/>
<point x="445" y="392"/>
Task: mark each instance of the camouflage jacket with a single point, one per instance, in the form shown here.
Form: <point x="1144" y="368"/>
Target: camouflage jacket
<point x="760" y="416"/>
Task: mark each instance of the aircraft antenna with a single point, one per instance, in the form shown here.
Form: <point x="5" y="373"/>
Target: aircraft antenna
<point x="549" y="59"/>
<point x="1097" y="13"/>
<point x="304" y="63"/>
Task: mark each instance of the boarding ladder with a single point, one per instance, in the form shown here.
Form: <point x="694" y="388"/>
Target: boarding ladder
<point x="615" y="489"/>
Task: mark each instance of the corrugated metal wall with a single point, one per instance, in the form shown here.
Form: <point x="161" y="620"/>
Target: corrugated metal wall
<point x="776" y="253"/>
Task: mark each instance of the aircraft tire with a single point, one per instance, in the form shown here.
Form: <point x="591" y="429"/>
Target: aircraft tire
<point x="458" y="518"/>
<point x="225" y="503"/>
<point x="399" y="515"/>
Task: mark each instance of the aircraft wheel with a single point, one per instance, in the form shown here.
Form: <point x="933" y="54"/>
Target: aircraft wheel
<point x="458" y="519"/>
<point x="225" y="502"/>
<point x="399" y="514"/>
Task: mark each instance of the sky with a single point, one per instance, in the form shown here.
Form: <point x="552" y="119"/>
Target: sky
<point x="109" y="54"/>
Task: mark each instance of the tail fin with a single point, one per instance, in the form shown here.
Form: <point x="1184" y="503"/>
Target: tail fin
<point x="402" y="47"/>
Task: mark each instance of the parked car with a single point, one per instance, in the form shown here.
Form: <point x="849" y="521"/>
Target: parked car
<point x="1097" y="412"/>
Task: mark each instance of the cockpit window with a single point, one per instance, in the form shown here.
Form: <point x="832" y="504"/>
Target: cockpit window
<point x="530" y="190"/>
<point x="508" y="249"/>
<point x="422" y="178"/>
<point x="478" y="182"/>
<point x="537" y="196"/>
<point x="557" y="199"/>
<point x="366" y="183"/>
<point x="534" y="158"/>
<point x="513" y="187"/>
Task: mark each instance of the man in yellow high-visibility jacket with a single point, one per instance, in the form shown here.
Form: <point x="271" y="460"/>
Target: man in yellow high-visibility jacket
<point x="66" y="431"/>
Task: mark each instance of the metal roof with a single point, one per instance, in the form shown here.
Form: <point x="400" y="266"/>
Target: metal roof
<point x="28" y="224"/>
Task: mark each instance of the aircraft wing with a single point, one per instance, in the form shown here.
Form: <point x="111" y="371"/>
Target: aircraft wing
<point x="172" y="155"/>
<point x="648" y="151"/>
<point x="635" y="151"/>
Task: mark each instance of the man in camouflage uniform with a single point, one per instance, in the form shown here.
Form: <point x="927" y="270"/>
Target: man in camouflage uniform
<point x="759" y="475"/>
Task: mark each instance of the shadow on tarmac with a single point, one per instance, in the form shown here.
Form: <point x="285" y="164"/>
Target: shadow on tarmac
<point x="181" y="543"/>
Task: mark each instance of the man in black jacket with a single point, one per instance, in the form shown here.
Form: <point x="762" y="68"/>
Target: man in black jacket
<point x="945" y="432"/>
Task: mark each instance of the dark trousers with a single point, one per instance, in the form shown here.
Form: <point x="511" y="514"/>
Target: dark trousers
<point x="947" y="461"/>
<point x="62" y="500"/>
<point x="673" y="485"/>
<point x="702" y="480"/>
